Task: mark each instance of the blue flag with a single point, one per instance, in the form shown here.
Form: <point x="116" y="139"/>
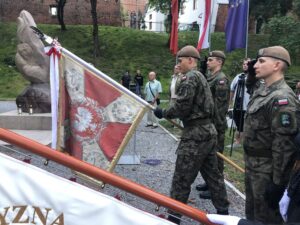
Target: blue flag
<point x="236" y="25"/>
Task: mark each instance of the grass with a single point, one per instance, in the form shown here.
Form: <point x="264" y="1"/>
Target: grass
<point x="121" y="49"/>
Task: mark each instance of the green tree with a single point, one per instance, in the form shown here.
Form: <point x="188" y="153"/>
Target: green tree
<point x="278" y="27"/>
<point x="296" y="7"/>
<point x="263" y="10"/>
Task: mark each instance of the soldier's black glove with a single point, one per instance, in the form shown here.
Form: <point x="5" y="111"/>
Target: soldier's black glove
<point x="203" y="65"/>
<point x="273" y="194"/>
<point x="158" y="113"/>
<point x="251" y="79"/>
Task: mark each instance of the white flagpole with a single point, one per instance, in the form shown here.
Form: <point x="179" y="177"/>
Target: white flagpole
<point x="247" y="31"/>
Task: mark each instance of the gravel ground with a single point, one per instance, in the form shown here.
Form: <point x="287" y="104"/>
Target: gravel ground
<point x="152" y="146"/>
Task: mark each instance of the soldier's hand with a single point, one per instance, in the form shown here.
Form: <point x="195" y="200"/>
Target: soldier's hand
<point x="223" y="220"/>
<point x="273" y="194"/>
<point x="158" y="113"/>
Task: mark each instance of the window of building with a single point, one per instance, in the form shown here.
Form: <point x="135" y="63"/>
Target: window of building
<point x="195" y="3"/>
<point x="150" y="17"/>
<point x="53" y="10"/>
<point x="150" y="26"/>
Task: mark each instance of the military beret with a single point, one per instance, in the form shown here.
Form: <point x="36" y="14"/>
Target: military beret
<point x="218" y="54"/>
<point x="276" y="52"/>
<point x="188" y="51"/>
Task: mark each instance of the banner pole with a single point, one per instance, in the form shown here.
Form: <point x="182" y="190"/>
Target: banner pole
<point x="247" y="29"/>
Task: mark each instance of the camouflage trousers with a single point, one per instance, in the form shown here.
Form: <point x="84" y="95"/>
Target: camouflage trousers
<point x="189" y="165"/>
<point x="256" y="206"/>
<point x="220" y="148"/>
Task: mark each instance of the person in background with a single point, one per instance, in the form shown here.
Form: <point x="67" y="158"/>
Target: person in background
<point x="219" y="85"/>
<point x="175" y="81"/>
<point x="152" y="90"/>
<point x="239" y="99"/>
<point x="269" y="130"/>
<point x="139" y="82"/>
<point x="196" y="151"/>
<point x="125" y="79"/>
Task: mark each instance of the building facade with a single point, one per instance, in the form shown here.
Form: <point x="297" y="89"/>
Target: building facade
<point x="190" y="16"/>
<point x="75" y="11"/>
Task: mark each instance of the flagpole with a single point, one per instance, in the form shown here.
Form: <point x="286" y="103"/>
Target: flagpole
<point x="247" y="30"/>
<point x="210" y="23"/>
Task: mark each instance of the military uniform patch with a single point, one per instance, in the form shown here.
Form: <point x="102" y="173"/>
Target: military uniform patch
<point x="285" y="119"/>
<point x="183" y="77"/>
<point x="222" y="82"/>
<point x="283" y="101"/>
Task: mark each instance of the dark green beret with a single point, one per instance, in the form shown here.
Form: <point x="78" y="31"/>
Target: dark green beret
<point x="188" y="51"/>
<point x="276" y="52"/>
<point x="218" y="54"/>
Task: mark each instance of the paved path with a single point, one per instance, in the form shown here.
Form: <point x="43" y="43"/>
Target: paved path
<point x="151" y="146"/>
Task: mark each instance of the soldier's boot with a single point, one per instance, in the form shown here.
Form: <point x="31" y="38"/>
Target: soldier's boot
<point x="174" y="219"/>
<point x="202" y="187"/>
<point x="205" y="194"/>
<point x="223" y="212"/>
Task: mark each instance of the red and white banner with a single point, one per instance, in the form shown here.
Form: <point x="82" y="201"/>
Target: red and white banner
<point x="203" y="41"/>
<point x="98" y="115"/>
<point x="29" y="195"/>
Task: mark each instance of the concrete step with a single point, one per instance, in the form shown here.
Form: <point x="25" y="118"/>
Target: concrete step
<point x="41" y="136"/>
<point x="25" y="121"/>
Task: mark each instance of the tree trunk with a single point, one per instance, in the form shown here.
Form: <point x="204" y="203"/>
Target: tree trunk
<point x="95" y="29"/>
<point x="60" y="13"/>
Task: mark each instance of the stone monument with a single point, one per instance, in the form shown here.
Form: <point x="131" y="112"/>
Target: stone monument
<point x="33" y="64"/>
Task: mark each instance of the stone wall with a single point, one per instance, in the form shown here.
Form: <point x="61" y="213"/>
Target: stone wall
<point x="75" y="11"/>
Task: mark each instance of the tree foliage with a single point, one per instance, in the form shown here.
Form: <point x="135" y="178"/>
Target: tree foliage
<point x="296" y="7"/>
<point x="278" y="27"/>
<point x="160" y="5"/>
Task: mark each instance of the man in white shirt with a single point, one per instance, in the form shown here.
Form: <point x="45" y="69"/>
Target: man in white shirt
<point x="152" y="90"/>
<point x="240" y="99"/>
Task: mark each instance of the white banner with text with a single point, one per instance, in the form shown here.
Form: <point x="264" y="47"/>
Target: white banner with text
<point x="30" y="195"/>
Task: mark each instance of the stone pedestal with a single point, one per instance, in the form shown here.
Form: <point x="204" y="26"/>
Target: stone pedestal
<point x="25" y="121"/>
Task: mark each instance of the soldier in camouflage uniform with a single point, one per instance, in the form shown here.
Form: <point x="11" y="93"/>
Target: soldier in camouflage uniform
<point x="220" y="89"/>
<point x="270" y="127"/>
<point x="196" y="151"/>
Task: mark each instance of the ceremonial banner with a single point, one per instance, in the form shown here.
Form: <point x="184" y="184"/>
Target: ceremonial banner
<point x="203" y="41"/>
<point x="98" y="115"/>
<point x="236" y="25"/>
<point x="174" y="30"/>
<point x="29" y="195"/>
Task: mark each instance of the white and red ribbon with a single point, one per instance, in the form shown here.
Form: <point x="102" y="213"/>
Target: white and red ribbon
<point x="54" y="52"/>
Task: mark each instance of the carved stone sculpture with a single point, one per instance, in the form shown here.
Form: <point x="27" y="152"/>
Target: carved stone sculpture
<point x="33" y="64"/>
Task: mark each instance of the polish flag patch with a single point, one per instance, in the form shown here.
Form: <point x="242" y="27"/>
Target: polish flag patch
<point x="283" y="101"/>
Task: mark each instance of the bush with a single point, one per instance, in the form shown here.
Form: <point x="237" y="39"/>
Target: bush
<point x="285" y="31"/>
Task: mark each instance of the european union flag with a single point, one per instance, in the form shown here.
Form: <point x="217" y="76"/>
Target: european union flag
<point x="236" y="25"/>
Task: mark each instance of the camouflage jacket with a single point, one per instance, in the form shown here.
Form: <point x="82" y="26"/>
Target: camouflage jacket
<point x="220" y="89"/>
<point x="269" y="131"/>
<point x="194" y="106"/>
